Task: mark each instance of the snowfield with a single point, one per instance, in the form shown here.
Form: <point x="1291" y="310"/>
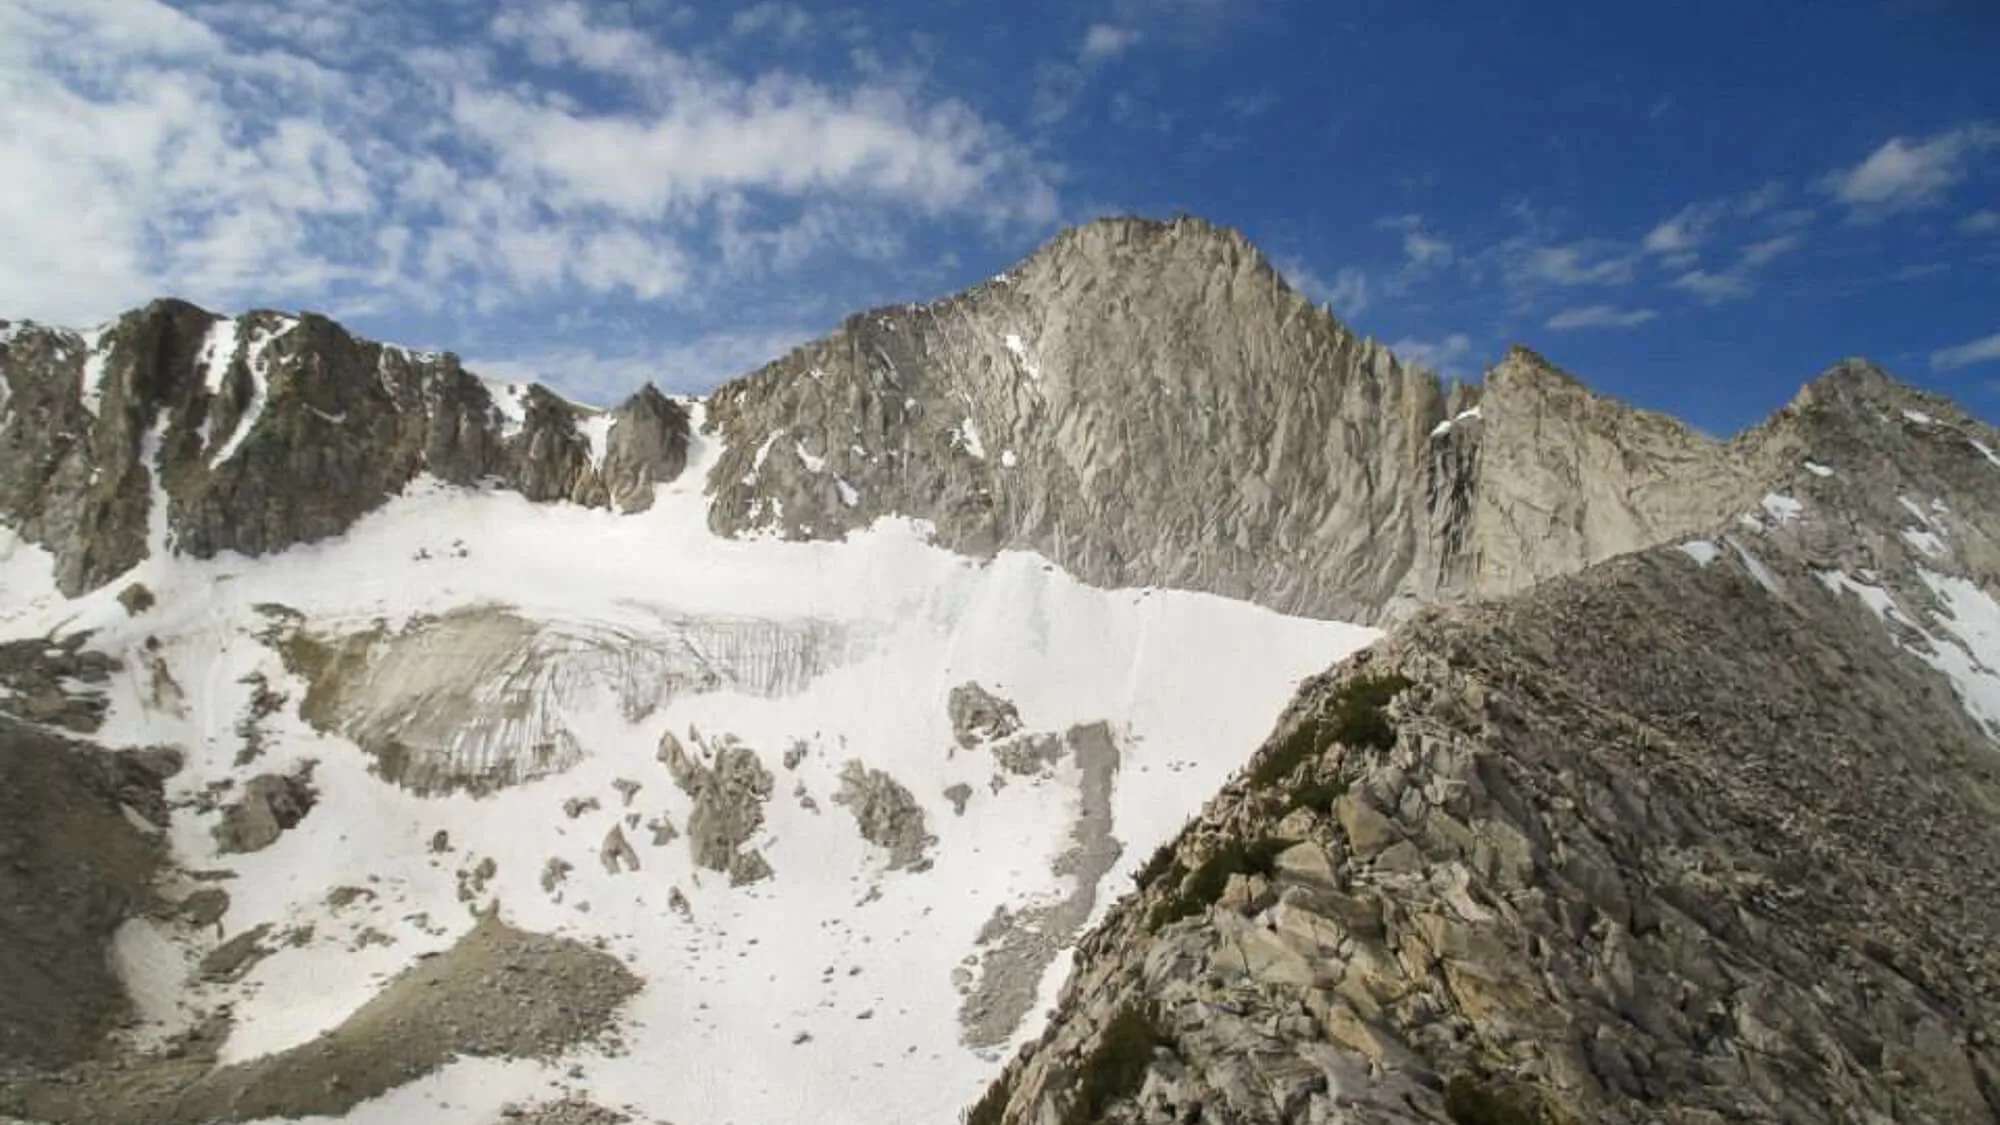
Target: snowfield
<point x="830" y="992"/>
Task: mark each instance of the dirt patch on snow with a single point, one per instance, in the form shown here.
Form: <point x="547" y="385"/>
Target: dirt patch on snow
<point x="1021" y="945"/>
<point x="498" y="992"/>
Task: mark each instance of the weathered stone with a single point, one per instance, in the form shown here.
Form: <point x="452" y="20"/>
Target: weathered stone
<point x="616" y="853"/>
<point x="888" y="816"/>
<point x="977" y="715"/>
<point x="307" y="430"/>
<point x="271" y="803"/>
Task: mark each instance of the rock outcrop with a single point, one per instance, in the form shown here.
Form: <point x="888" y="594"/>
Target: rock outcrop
<point x="886" y="814"/>
<point x="1708" y="833"/>
<point x="977" y="715"/>
<point x="271" y="804"/>
<point x="729" y="798"/>
<point x="267" y="430"/>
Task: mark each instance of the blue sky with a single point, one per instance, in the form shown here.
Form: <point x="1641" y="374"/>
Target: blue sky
<point x="1693" y="206"/>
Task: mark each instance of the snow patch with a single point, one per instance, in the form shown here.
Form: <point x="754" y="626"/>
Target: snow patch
<point x="218" y="351"/>
<point x="597" y="431"/>
<point x="1964" y="646"/>
<point x="1702" y="551"/>
<point x="813" y="464"/>
<point x="1985" y="450"/>
<point x="1444" y="427"/>
<point x="260" y="389"/>
<point x="966" y="437"/>
<point x="1817" y="469"/>
<point x="1924" y="541"/>
<point x="849" y="495"/>
<point x="1007" y="459"/>
<point x="1782" y="508"/>
<point x="96" y="357"/>
<point x="1919" y="417"/>
<point x="757" y="459"/>
<point x="1020" y="351"/>
<point x="1756" y="567"/>
<point x="510" y="402"/>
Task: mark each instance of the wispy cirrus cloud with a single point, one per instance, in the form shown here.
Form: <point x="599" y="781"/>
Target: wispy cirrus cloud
<point x="1448" y="355"/>
<point x="1106" y="41"/>
<point x="1422" y="249"/>
<point x="1905" y="174"/>
<point x="239" y="154"/>
<point x="1346" y="294"/>
<point x="1986" y="349"/>
<point x="1598" y="316"/>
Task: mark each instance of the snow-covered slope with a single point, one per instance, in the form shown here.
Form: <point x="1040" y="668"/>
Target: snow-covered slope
<point x="539" y="654"/>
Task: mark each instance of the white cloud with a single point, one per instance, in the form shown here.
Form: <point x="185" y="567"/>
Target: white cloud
<point x="247" y="155"/>
<point x="1426" y="249"/>
<point x="1713" y="288"/>
<point x="1763" y="253"/>
<point x="1983" y="350"/>
<point x="1446" y="356"/>
<point x="1690" y="228"/>
<point x="1577" y="264"/>
<point x="1421" y="248"/>
<point x="784" y="21"/>
<point x="1599" y="316"/>
<point x="1347" y="293"/>
<point x="1106" y="41"/>
<point x="1684" y="230"/>
<point x="1981" y="222"/>
<point x="1905" y="174"/>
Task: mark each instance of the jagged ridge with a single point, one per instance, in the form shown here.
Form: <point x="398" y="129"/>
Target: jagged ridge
<point x="1145" y="403"/>
<point x="268" y="430"/>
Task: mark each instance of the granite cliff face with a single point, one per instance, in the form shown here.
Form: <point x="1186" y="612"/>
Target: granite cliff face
<point x="1148" y="403"/>
<point x="1705" y="833"/>
<point x="268" y="430"/>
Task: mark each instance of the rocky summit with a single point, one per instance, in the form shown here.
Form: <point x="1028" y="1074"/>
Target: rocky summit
<point x="381" y="741"/>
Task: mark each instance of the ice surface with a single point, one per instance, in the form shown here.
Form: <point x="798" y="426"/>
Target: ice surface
<point x="1191" y="682"/>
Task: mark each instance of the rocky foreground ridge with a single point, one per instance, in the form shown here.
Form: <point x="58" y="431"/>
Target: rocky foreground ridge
<point x="1312" y="471"/>
<point x="1706" y="833"/>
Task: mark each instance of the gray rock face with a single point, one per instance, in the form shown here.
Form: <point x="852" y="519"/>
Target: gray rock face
<point x="977" y="715"/>
<point x="888" y="816"/>
<point x="271" y="804"/>
<point x="1691" y="835"/>
<point x="729" y="798"/>
<point x="1148" y="404"/>
<point x="269" y="430"/>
